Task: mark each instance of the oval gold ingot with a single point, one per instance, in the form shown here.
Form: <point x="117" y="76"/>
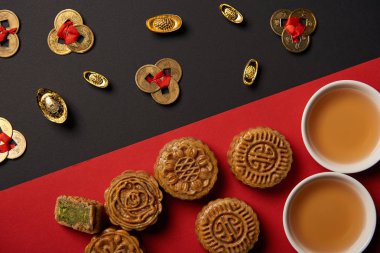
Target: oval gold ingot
<point x="11" y="49"/>
<point x="308" y="16"/>
<point x="250" y="72"/>
<point x="55" y="46"/>
<point x="164" y="23"/>
<point x="87" y="42"/>
<point x="166" y="98"/>
<point x="173" y="65"/>
<point x="66" y="15"/>
<point x="231" y="13"/>
<point x="295" y="47"/>
<point x="278" y="19"/>
<point x="20" y="147"/>
<point x="10" y="16"/>
<point x="95" y="79"/>
<point x="52" y="105"/>
<point x="140" y="78"/>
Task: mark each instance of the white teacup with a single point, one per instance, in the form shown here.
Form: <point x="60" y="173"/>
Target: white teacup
<point x="359" y="165"/>
<point x="369" y="223"/>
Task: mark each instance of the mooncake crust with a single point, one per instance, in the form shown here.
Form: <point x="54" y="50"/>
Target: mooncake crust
<point x="186" y="168"/>
<point x="227" y="225"/>
<point x="260" y="157"/>
<point x="133" y="200"/>
<point x="112" y="240"/>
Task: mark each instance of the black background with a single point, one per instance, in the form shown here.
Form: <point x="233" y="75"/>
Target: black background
<point x="212" y="53"/>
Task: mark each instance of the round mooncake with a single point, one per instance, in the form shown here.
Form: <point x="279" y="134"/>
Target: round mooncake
<point x="260" y="157"/>
<point x="111" y="240"/>
<point x="186" y="168"/>
<point x="133" y="200"/>
<point x="227" y="225"/>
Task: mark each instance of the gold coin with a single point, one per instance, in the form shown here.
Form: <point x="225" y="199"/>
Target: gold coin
<point x="95" y="79"/>
<point x="142" y="73"/>
<point x="308" y="16"/>
<point x="52" y="105"/>
<point x="168" y="97"/>
<point x="231" y="13"/>
<point x="164" y="23"/>
<point x="66" y="15"/>
<point x="20" y="148"/>
<point x="11" y="49"/>
<point x="250" y="72"/>
<point x="55" y="46"/>
<point x="3" y="156"/>
<point x="86" y="43"/>
<point x="277" y="19"/>
<point x="173" y="65"/>
<point x="295" y="47"/>
<point x="6" y="127"/>
<point x="7" y="15"/>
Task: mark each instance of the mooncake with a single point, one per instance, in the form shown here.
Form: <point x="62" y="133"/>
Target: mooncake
<point x="133" y="200"/>
<point x="227" y="225"/>
<point x="79" y="213"/>
<point x="260" y="157"/>
<point x="186" y="168"/>
<point x="113" y="241"/>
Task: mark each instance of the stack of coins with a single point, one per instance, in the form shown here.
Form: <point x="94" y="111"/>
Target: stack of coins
<point x="12" y="142"/>
<point x="160" y="80"/>
<point x="9" y="42"/>
<point x="74" y="26"/>
<point x="303" y="20"/>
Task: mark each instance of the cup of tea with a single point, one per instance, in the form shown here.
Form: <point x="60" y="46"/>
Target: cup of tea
<point x="329" y="212"/>
<point x="341" y="126"/>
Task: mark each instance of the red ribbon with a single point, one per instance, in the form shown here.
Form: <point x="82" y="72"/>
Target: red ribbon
<point x="7" y="145"/>
<point x="68" y="32"/>
<point x="4" y="33"/>
<point x="164" y="74"/>
<point x="294" y="27"/>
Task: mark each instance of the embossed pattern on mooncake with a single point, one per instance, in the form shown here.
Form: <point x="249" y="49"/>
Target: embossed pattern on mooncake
<point x="186" y="168"/>
<point x="227" y="225"/>
<point x="260" y="157"/>
<point x="133" y="200"/>
<point x="111" y="240"/>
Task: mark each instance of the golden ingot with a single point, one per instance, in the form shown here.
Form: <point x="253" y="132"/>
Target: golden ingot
<point x="20" y="147"/>
<point x="231" y="13"/>
<point x="52" y="105"/>
<point x="55" y="46"/>
<point x="142" y="73"/>
<point x="295" y="47"/>
<point x="165" y="98"/>
<point x="164" y="23"/>
<point x="6" y="127"/>
<point x="95" y="79"/>
<point x="308" y="16"/>
<point x="7" y="15"/>
<point x="173" y="65"/>
<point x="250" y="72"/>
<point x="277" y="19"/>
<point x="86" y="43"/>
<point x="66" y="15"/>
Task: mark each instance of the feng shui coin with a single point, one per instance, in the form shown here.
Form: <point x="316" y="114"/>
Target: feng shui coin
<point x="52" y="105"/>
<point x="20" y="147"/>
<point x="6" y="127"/>
<point x="165" y="98"/>
<point x="164" y="23"/>
<point x="173" y="65"/>
<point x="141" y="75"/>
<point x="250" y="72"/>
<point x="95" y="79"/>
<point x="308" y="16"/>
<point x="277" y="20"/>
<point x="3" y="156"/>
<point x="231" y="13"/>
<point x="227" y="225"/>
<point x="66" y="15"/>
<point x="11" y="49"/>
<point x="7" y="15"/>
<point x="86" y="43"/>
<point x="295" y="47"/>
<point x="55" y="46"/>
